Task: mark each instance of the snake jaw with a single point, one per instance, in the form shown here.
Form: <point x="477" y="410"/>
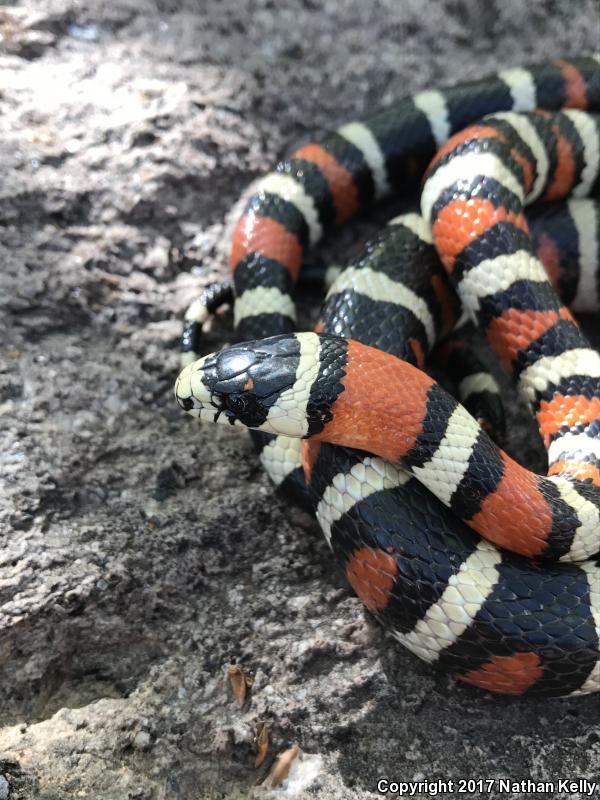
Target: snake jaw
<point x="222" y="409"/>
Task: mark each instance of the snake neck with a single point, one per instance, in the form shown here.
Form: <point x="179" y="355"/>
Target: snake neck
<point x="379" y="405"/>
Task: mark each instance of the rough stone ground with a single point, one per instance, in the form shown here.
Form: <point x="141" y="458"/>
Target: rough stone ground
<point x="140" y="556"/>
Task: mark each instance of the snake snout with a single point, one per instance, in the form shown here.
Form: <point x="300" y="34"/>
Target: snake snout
<point x="190" y="391"/>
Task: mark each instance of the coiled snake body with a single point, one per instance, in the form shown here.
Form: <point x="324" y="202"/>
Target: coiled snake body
<point x="405" y="509"/>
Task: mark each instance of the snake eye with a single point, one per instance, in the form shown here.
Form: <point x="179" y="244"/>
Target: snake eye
<point x="238" y="404"/>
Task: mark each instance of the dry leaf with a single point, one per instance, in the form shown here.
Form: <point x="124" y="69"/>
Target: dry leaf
<point x="238" y="682"/>
<point x="282" y="766"/>
<point x="262" y="742"/>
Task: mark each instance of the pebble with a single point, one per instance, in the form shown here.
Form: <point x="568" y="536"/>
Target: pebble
<point x="142" y="740"/>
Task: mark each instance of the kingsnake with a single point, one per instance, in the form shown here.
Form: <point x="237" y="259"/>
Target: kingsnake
<point x="400" y="511"/>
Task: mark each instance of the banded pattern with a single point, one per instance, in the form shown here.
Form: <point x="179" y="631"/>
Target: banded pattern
<point x="451" y="598"/>
<point x="569" y="248"/>
<point x="325" y="184"/>
<point x="344" y="501"/>
<point x="430" y="583"/>
<point x="495" y="620"/>
<point x="482" y="237"/>
<point x="478" y="622"/>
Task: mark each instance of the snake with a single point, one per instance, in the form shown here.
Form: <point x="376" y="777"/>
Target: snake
<point x="470" y="560"/>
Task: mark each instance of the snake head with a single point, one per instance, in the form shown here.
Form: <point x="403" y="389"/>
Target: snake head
<point x="246" y="384"/>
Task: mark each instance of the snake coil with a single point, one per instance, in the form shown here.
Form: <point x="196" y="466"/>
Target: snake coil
<point x="402" y="479"/>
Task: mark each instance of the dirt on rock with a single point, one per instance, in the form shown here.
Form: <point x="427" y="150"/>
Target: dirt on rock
<point x="141" y="555"/>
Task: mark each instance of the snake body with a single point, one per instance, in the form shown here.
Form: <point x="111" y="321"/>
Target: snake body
<point x="400" y="519"/>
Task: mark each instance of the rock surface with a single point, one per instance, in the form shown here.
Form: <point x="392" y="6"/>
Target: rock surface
<point x="141" y="556"/>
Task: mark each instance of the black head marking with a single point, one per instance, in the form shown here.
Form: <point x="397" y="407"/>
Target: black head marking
<point x="245" y="380"/>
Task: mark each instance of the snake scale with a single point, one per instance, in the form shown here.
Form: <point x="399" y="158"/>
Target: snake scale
<point x="470" y="560"/>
